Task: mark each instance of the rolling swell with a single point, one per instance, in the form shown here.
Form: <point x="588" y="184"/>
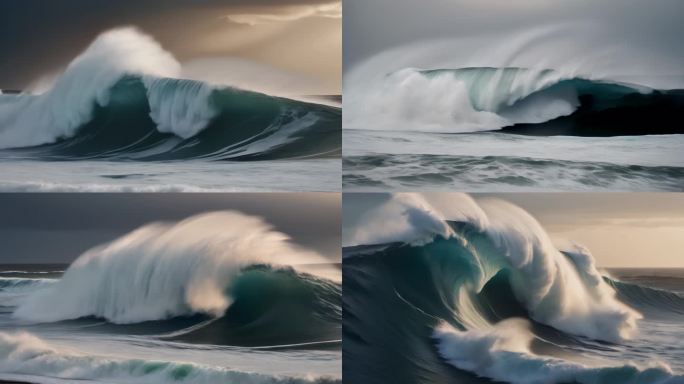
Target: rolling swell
<point x="486" y="299"/>
<point x="656" y="302"/>
<point x="216" y="124"/>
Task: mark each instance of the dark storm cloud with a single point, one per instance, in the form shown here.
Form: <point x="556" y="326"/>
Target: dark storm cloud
<point x="50" y="228"/>
<point x="37" y="36"/>
<point x="373" y="26"/>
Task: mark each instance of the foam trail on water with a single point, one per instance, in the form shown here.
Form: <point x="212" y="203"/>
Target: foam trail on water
<point x="28" y="356"/>
<point x="163" y="270"/>
<point x="502" y="352"/>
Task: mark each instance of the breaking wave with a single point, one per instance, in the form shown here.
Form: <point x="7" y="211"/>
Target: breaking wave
<point x="516" y="100"/>
<point x="219" y="278"/>
<point x="122" y="98"/>
<point x="480" y="286"/>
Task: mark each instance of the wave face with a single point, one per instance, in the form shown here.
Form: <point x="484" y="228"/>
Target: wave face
<point x="122" y="99"/>
<point x="517" y="100"/>
<point x="219" y="278"/>
<point x="477" y="292"/>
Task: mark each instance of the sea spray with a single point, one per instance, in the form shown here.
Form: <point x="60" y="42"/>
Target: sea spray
<point x="29" y="120"/>
<point x="502" y="352"/>
<point x="482" y="83"/>
<point x="166" y="270"/>
<point x="492" y="297"/>
<point x="555" y="290"/>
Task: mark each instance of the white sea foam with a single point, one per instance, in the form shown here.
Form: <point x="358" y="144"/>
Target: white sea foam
<point x="24" y="356"/>
<point x="388" y="92"/>
<point x="502" y="352"/>
<point x="165" y="270"/>
<point x="568" y="294"/>
<point x="565" y="292"/>
<point x="409" y="218"/>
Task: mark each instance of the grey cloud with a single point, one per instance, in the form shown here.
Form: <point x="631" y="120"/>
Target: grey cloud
<point x="58" y="227"/>
<point x="41" y="36"/>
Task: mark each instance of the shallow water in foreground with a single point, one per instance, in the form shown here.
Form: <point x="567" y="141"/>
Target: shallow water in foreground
<point x="94" y="351"/>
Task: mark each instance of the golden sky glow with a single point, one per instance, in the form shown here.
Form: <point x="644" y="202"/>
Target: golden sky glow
<point x="620" y="229"/>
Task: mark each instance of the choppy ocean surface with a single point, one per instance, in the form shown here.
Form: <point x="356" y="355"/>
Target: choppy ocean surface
<point x="494" y="161"/>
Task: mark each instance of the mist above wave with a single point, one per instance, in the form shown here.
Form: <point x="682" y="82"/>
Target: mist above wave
<point x="165" y="270"/>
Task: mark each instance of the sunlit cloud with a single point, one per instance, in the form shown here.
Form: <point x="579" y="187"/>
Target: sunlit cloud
<point x="293" y="13"/>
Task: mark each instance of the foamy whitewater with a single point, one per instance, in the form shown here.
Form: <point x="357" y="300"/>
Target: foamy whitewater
<point x="475" y="291"/>
<point x="218" y="297"/>
<point x="436" y="114"/>
<point x="124" y="99"/>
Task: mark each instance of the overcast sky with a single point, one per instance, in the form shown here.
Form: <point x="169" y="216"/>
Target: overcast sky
<point x="653" y="28"/>
<point x="620" y="229"/>
<point x="302" y="37"/>
<point x="56" y="228"/>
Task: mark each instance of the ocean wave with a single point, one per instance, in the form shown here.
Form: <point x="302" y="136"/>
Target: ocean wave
<point x="17" y="283"/>
<point x="13" y="290"/>
<point x="498" y="300"/>
<point x="24" y="356"/>
<point x="223" y="265"/>
<point x="122" y="99"/>
<point x="517" y="100"/>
